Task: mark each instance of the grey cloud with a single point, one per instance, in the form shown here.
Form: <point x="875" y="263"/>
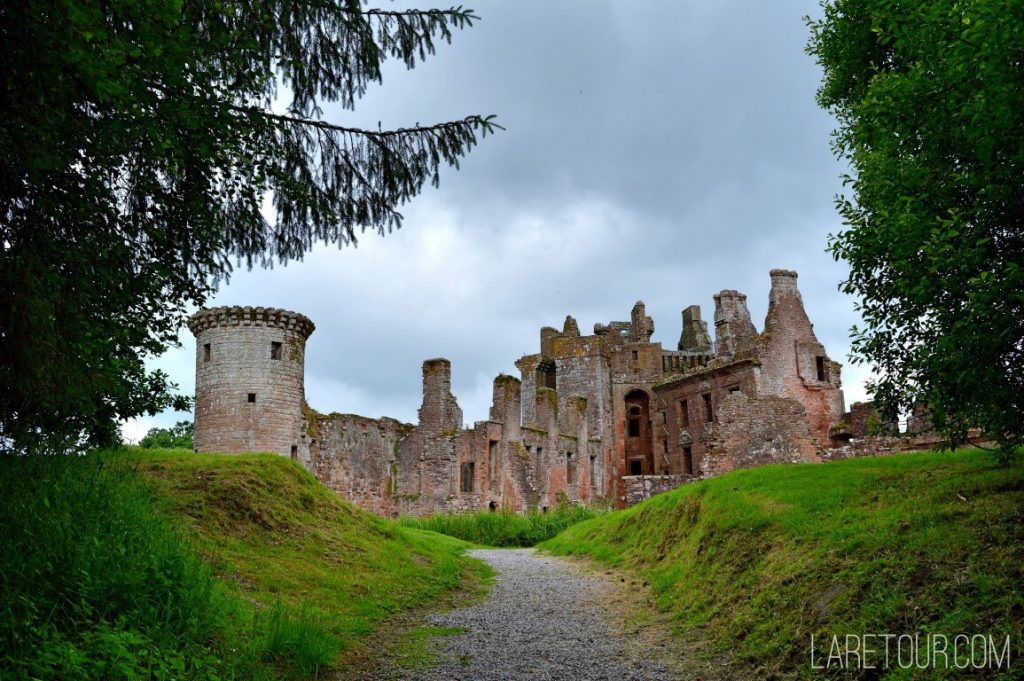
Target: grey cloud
<point x="654" y="150"/>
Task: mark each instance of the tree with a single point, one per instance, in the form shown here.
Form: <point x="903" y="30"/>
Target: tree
<point x="179" y="435"/>
<point x="138" y="144"/>
<point x="929" y="98"/>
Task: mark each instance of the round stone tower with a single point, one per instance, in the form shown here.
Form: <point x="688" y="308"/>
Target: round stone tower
<point x="249" y="379"/>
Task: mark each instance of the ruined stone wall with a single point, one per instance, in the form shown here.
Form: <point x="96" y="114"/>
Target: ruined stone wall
<point x="795" y="363"/>
<point x="249" y="379"/>
<point x="734" y="332"/>
<point x="758" y="431"/>
<point x="356" y="457"/>
<point x="692" y="429"/>
<point x="862" y="421"/>
<point x="639" y="487"/>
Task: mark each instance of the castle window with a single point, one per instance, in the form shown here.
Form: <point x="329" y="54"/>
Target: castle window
<point x="688" y="460"/>
<point x="206" y="352"/>
<point x="633" y="421"/>
<point x="820" y="361"/>
<point x="492" y="459"/>
<point x="593" y="470"/>
<point x="252" y="398"/>
<point x="684" y="415"/>
<point x="275" y="350"/>
<point x="636" y="355"/>
<point x="546" y="377"/>
<point x="295" y="452"/>
<point x="570" y="469"/>
<point x="664" y="417"/>
<point x="734" y="390"/>
<point x="709" y="414"/>
<point x="634" y="426"/>
<point x="636" y="467"/>
<point x="466" y="477"/>
<point x="664" y="446"/>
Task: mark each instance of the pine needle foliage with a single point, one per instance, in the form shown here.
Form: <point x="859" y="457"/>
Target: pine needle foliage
<point x="139" y="143"/>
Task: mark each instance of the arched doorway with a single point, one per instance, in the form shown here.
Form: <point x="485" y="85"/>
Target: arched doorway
<point x="639" y="455"/>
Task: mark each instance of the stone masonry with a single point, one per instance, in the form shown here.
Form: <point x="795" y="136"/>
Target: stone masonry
<point x="607" y="418"/>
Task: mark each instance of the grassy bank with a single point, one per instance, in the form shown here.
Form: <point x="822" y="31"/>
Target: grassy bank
<point x="755" y="562"/>
<point x="166" y="564"/>
<point x="503" y="529"/>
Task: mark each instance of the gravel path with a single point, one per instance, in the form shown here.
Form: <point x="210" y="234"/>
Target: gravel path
<point x="544" y="620"/>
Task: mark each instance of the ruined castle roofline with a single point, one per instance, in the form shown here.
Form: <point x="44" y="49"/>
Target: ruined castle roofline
<point x="783" y="273"/>
<point x="238" y="315"/>
<point x="704" y="372"/>
<point x="731" y="293"/>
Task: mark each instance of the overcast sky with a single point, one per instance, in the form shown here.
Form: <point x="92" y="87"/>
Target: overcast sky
<point x="660" y="151"/>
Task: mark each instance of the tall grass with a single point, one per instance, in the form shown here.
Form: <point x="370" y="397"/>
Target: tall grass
<point x="503" y="528"/>
<point x="92" y="584"/>
<point x="298" y="639"/>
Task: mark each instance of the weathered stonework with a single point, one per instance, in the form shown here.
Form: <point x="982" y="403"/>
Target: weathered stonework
<point x="607" y="418"/>
<point x="249" y="379"/>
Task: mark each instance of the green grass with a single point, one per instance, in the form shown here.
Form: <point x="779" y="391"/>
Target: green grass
<point x="168" y="564"/>
<point x="755" y="562"/>
<point x="95" y="585"/>
<point x="501" y="528"/>
<point x="278" y="536"/>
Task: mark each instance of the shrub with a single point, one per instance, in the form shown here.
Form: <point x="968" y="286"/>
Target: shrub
<point x="503" y="528"/>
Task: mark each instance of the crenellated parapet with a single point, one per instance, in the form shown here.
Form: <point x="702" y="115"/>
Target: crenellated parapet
<point x="238" y="315"/>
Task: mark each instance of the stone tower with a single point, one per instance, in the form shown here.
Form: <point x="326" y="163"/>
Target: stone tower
<point x="249" y="379"/>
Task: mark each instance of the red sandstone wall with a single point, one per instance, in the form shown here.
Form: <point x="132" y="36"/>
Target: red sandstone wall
<point x="758" y="431"/>
<point x="788" y="349"/>
<point x="357" y="457"/>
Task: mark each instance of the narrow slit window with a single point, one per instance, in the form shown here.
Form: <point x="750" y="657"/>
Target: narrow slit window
<point x="684" y="414"/>
<point x="467" y="477"/>
<point x="252" y="398"/>
<point x="820" y="361"/>
<point x="275" y="350"/>
<point x="709" y="413"/>
<point x="593" y="470"/>
<point x="570" y="468"/>
<point x="295" y="452"/>
<point x="206" y="352"/>
<point x="636" y="355"/>
<point x="492" y="459"/>
<point x="688" y="460"/>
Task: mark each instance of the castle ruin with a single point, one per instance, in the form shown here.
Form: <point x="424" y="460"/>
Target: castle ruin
<point x="609" y="417"/>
